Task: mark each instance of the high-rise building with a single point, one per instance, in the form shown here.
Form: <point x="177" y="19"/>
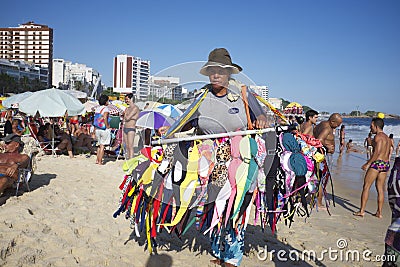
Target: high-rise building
<point x="165" y="87"/>
<point x="68" y="75"/>
<point x="131" y="75"/>
<point x="30" y="42"/>
<point x="261" y="90"/>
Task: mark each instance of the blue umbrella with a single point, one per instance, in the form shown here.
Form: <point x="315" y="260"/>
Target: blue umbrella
<point x="153" y="120"/>
<point x="169" y="110"/>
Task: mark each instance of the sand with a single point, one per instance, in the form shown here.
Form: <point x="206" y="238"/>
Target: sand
<point x="66" y="220"/>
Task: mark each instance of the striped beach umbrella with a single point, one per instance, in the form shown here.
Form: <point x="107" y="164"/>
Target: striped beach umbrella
<point x="169" y="110"/>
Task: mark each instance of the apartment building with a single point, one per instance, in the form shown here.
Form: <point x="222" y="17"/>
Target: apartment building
<point x="131" y="75"/>
<point x="261" y="90"/>
<point x="30" y="42"/>
<point x="66" y="75"/>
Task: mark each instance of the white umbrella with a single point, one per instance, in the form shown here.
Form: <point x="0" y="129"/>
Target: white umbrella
<point x="90" y="105"/>
<point x="13" y="101"/>
<point x="76" y="94"/>
<point x="51" y="103"/>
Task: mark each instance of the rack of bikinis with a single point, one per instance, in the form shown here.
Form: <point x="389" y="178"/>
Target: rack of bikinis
<point x="209" y="181"/>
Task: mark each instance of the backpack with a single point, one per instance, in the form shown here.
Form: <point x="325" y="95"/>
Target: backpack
<point x="98" y="120"/>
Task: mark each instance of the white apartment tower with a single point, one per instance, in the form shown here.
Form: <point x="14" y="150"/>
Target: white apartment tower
<point x="261" y="90"/>
<point x="131" y="75"/>
<point x="30" y="42"/>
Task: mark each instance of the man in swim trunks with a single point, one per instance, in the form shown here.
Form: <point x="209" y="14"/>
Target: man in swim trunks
<point x="368" y="145"/>
<point x="131" y="115"/>
<point x="377" y="167"/>
<point x="11" y="160"/>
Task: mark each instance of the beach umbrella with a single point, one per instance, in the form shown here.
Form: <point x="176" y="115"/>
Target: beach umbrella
<point x="153" y="120"/>
<point x="169" y="110"/>
<point x="13" y="101"/>
<point x="76" y="94"/>
<point x="51" y="103"/>
<point x="113" y="110"/>
<point x="147" y="104"/>
<point x="119" y="104"/>
<point x="90" y="105"/>
<point x="294" y="104"/>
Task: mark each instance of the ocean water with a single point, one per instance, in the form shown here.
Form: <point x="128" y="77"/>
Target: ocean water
<point x="357" y="129"/>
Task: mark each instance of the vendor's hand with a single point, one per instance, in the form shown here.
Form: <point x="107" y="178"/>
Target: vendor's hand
<point x="260" y="124"/>
<point x="163" y="130"/>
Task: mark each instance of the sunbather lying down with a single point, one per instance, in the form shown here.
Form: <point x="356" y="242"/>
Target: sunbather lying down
<point x="11" y="160"/>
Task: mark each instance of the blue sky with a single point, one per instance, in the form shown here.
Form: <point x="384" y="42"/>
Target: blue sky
<point x="333" y="56"/>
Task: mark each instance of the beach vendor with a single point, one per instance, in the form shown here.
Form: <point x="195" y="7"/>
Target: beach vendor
<point x="11" y="160"/>
<point x="223" y="110"/>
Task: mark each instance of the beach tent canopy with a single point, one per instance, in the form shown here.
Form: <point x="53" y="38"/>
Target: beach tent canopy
<point x="51" y="103"/>
<point x="294" y="104"/>
<point x="91" y="105"/>
<point x="13" y="101"/>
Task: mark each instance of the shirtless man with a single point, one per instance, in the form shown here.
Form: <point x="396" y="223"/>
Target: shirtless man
<point x="368" y="145"/>
<point x="324" y="131"/>
<point x="130" y="117"/>
<point x="377" y="167"/>
<point x="311" y="120"/>
<point x="11" y="160"/>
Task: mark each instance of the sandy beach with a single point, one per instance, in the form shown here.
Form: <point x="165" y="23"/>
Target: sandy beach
<point x="66" y="220"/>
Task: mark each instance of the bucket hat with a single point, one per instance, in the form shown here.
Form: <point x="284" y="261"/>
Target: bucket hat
<point x="220" y="57"/>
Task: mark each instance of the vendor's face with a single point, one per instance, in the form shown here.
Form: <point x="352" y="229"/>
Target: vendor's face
<point x="219" y="77"/>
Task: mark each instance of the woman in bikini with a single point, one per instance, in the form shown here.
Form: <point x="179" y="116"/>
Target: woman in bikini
<point x="130" y="116"/>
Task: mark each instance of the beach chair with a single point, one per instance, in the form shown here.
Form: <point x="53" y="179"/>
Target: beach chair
<point x="48" y="147"/>
<point x="25" y="174"/>
<point x="115" y="147"/>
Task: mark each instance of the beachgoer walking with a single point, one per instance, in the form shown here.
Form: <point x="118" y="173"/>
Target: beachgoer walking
<point x="377" y="167"/>
<point x="397" y="149"/>
<point x="368" y="145"/>
<point x="131" y="114"/>
<point x="311" y="120"/>
<point x="391" y="144"/>
<point x="342" y="138"/>
<point x="103" y="136"/>
<point x="324" y="131"/>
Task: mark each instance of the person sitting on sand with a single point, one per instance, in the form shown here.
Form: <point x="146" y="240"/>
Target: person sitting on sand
<point x="350" y="147"/>
<point x="65" y="140"/>
<point x="377" y="167"/>
<point x="11" y="160"/>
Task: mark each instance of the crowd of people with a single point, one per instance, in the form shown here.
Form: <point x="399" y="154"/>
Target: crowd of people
<point x="79" y="134"/>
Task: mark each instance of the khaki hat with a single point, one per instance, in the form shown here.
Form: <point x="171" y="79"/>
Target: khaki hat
<point x="220" y="57"/>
